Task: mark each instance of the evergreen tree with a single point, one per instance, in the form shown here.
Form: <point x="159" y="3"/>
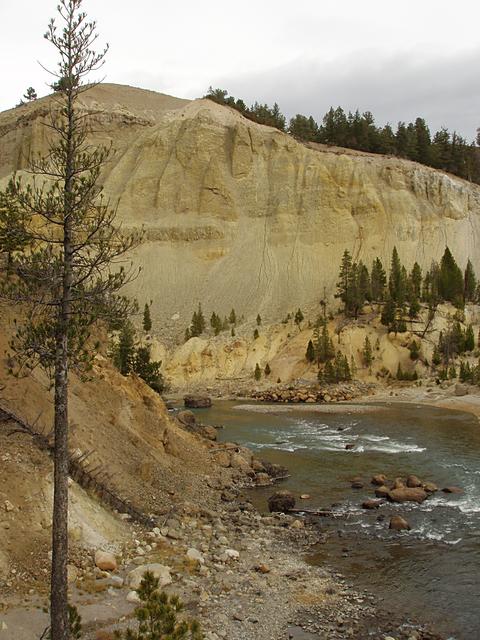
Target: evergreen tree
<point x="388" y="313"/>
<point x="157" y="616"/>
<point x="259" y="320"/>
<point x="414" y="309"/>
<point x="323" y="343"/>
<point x="147" y="320"/>
<point x="233" y="317"/>
<point x="396" y="280"/>
<point x="469" y="342"/>
<point x="267" y="370"/>
<point x="255" y="334"/>
<point x="124" y="353"/>
<point x="147" y="369"/>
<point x="197" y="326"/>
<point x="451" y="283"/>
<point x="470" y="283"/>
<point x="298" y="317"/>
<point x="364" y="284"/>
<point x="215" y="323"/>
<point x="65" y="279"/>
<point x="367" y="353"/>
<point x="232" y="333"/>
<point x="310" y="353"/>
<point x="378" y="281"/>
<point x="258" y="372"/>
<point x="416" y="281"/>
<point x="414" y="350"/>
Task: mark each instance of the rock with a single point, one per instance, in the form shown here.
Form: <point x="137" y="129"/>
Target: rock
<point x="413" y="482"/>
<point x="206" y="431"/>
<point x="229" y="554"/>
<point x="382" y="492"/>
<point x="372" y="504"/>
<point x="398" y="483"/>
<point x="297" y="524"/>
<point x="222" y="458"/>
<point x="357" y="484"/>
<point x="133" y="597"/>
<point x="195" y="555"/>
<point x="228" y="496"/>
<point x="8" y="506"/>
<point x="237" y="461"/>
<point x="262" y="568"/>
<point x="379" y="479"/>
<point x="349" y="446"/>
<point x="405" y="494"/>
<point x="187" y="418"/>
<point x="305" y="496"/>
<point x="262" y="480"/>
<point x="159" y="571"/>
<point x="281" y="501"/>
<point x="197" y="401"/>
<point x="452" y="490"/>
<point x="105" y="561"/>
<point x="397" y="523"/>
<point x="258" y="466"/>
<point x="461" y="389"/>
<point x="430" y="487"/>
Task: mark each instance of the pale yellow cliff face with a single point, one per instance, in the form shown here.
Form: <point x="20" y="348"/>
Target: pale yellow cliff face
<point x="240" y="215"/>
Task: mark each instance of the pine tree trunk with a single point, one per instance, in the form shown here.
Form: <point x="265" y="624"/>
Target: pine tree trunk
<point x="59" y="584"/>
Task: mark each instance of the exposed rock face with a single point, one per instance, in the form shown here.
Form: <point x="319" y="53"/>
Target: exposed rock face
<point x="241" y="215"/>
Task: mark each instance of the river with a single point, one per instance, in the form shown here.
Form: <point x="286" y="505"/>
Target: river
<point x="431" y="572"/>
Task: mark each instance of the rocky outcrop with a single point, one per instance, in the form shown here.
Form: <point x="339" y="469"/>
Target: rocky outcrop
<point x="241" y="215"/>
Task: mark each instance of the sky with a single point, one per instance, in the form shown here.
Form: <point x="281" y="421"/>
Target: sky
<point x="397" y="59"/>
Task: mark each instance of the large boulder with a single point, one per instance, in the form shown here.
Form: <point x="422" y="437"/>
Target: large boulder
<point x="461" y="389"/>
<point x="407" y="494"/>
<point x="281" y="501"/>
<point x="397" y="523"/>
<point x="159" y="571"/>
<point x="197" y="402"/>
<point x="430" y="487"/>
<point x="372" y="504"/>
<point x="452" y="490"/>
<point x="187" y="418"/>
<point x="379" y="479"/>
<point x="105" y="561"/>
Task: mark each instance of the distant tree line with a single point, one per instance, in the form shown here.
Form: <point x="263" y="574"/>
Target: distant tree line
<point x="402" y="292"/>
<point x="413" y="141"/>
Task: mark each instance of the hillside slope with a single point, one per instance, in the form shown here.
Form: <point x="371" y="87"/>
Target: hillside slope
<point x="241" y="215"/>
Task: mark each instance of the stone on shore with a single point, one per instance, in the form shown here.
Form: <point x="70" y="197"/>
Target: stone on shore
<point x="281" y="501"/>
<point x="105" y="561"/>
<point x="372" y="504"/>
<point x="187" y="418"/>
<point x="379" y="479"/>
<point x="382" y="492"/>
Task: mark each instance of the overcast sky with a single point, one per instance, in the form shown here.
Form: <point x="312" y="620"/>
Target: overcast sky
<point x="398" y="59"/>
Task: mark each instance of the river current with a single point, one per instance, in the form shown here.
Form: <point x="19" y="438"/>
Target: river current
<point x="431" y="572"/>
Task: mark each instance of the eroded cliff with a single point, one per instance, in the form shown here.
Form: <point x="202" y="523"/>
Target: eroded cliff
<point x="241" y="215"/>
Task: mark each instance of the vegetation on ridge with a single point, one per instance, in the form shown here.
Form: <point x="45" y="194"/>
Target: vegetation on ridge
<point x="442" y="150"/>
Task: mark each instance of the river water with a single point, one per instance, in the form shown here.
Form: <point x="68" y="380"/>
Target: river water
<point x="431" y="572"/>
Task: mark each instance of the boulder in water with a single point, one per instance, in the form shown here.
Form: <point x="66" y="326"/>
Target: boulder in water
<point x="452" y="490"/>
<point x="197" y="401"/>
<point x="413" y="482"/>
<point x="281" y="501"/>
<point x="430" y="487"/>
<point x="379" y="479"/>
<point x="372" y="504"/>
<point x="187" y="418"/>
<point x="397" y="523"/>
<point x="405" y="494"/>
<point x="382" y="492"/>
